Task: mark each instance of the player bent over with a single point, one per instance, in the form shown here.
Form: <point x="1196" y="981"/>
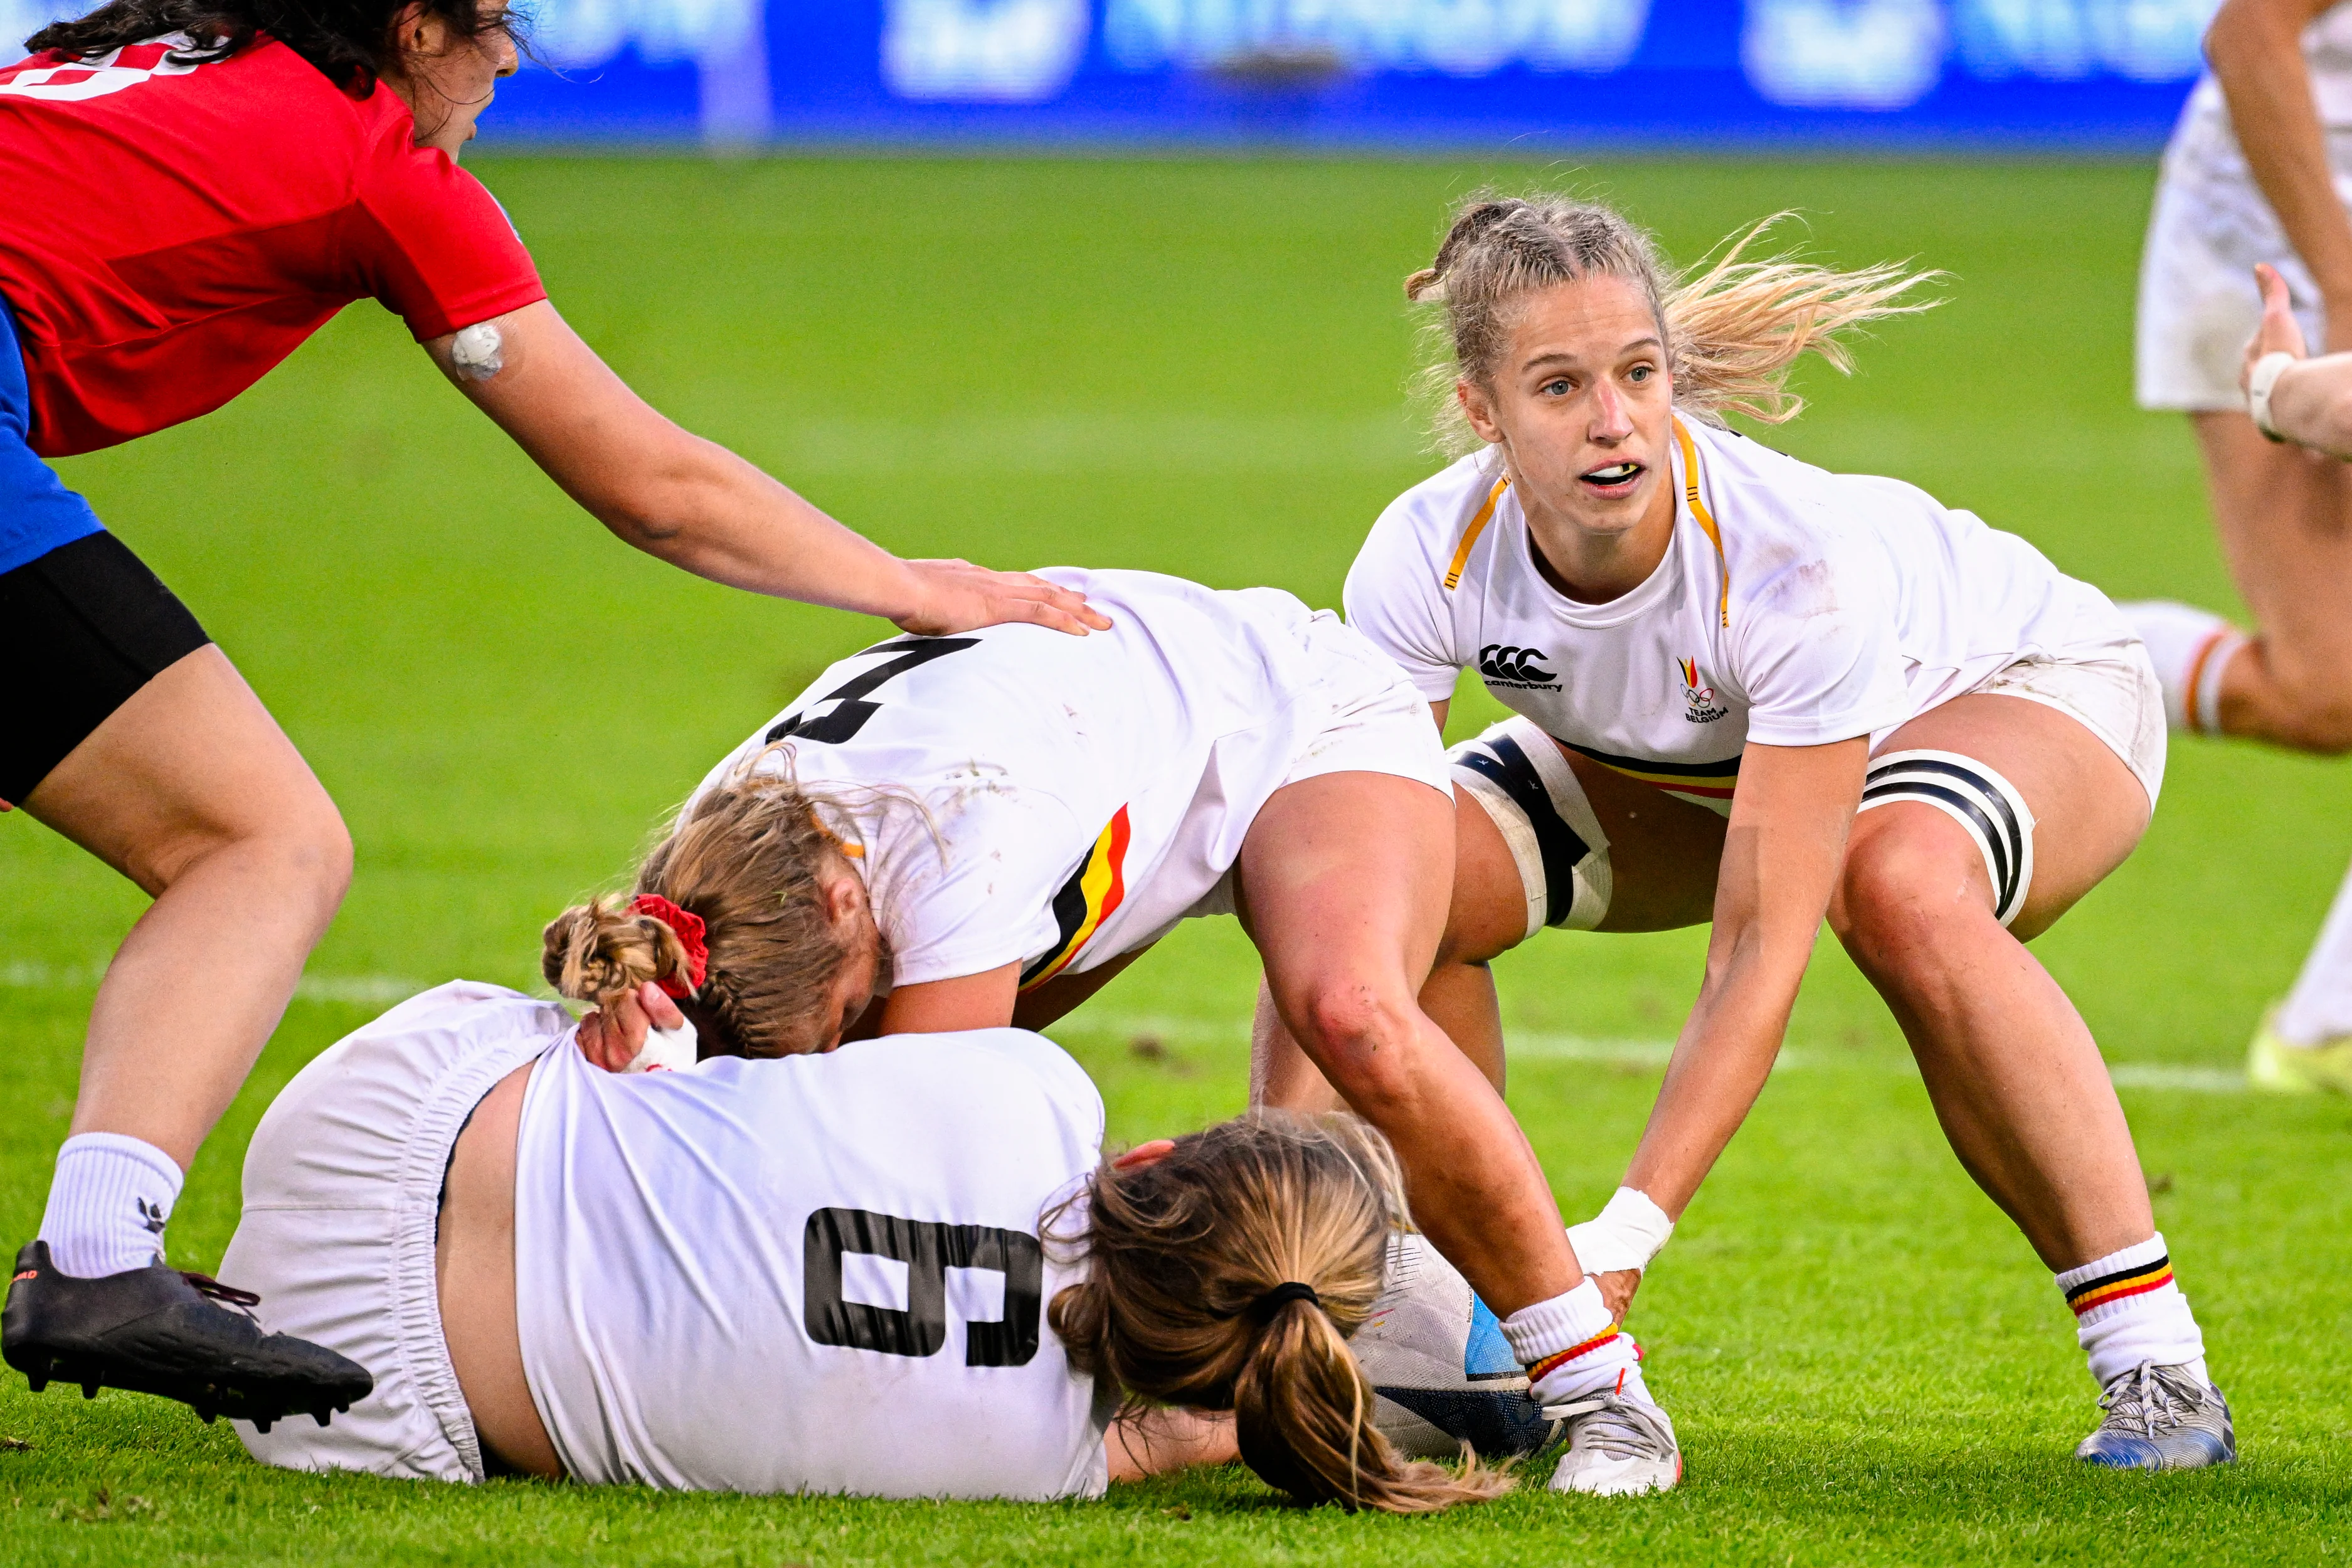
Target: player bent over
<point x="1753" y="692"/>
<point x="2258" y="173"/>
<point x="1001" y="822"/>
<point x="193" y="190"/>
<point x="900" y="1269"/>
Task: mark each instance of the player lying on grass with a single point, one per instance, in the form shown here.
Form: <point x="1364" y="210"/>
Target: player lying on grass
<point x="2257" y="176"/>
<point x="900" y="1269"/>
<point x="194" y="186"/>
<point x="1001" y="822"/>
<point x="1755" y="693"/>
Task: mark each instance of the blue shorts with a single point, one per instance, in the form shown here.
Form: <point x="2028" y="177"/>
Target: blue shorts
<point x="37" y="513"/>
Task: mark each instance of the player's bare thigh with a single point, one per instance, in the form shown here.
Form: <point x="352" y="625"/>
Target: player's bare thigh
<point x="2089" y="808"/>
<point x="1662" y="854"/>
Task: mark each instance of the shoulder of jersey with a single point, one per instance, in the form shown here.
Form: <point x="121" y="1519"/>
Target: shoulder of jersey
<point x="1763" y="496"/>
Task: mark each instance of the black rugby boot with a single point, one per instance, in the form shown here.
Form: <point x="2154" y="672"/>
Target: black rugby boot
<point x="159" y="1331"/>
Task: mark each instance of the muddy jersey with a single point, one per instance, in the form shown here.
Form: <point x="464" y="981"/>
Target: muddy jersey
<point x="1794" y="607"/>
<point x="1016" y="794"/>
<point x="814" y="1274"/>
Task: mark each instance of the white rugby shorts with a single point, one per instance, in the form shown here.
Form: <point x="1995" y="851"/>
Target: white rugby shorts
<point x="1376" y="723"/>
<point x="2199" y="305"/>
<point x="342" y="1205"/>
<point x="2110" y="689"/>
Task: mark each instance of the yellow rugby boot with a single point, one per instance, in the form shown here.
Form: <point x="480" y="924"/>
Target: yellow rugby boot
<point x="2272" y="1064"/>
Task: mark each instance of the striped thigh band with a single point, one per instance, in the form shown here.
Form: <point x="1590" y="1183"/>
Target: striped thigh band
<point x="1984" y="804"/>
<point x="1517" y="773"/>
<point x="2137" y="1280"/>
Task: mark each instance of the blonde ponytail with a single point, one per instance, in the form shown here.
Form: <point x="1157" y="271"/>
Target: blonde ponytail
<point x="1736" y="330"/>
<point x="1229" y="1274"/>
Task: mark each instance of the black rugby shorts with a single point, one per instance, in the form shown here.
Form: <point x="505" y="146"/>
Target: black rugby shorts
<point x="81" y="629"/>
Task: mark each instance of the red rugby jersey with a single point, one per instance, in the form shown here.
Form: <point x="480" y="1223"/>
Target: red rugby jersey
<point x="169" y="232"/>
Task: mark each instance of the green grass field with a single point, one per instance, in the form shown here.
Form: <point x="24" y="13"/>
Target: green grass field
<point x="1196" y="367"/>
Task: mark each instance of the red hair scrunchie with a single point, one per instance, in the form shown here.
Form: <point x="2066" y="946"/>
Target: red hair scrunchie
<point x="689" y="931"/>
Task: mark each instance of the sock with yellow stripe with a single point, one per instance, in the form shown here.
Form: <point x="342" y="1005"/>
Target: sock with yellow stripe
<point x="1572" y="1348"/>
<point x="2127" y="1310"/>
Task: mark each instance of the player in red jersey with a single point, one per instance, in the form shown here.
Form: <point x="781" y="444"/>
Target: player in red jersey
<point x="195" y="188"/>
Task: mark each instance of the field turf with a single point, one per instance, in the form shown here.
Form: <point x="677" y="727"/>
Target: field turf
<point x="1196" y="367"/>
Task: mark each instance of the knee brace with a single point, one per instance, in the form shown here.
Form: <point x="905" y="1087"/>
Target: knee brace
<point x="1518" y="775"/>
<point x="1982" y="801"/>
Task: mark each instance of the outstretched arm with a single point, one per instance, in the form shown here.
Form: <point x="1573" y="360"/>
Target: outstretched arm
<point x="2256" y="51"/>
<point x="697" y="506"/>
<point x="1781" y="857"/>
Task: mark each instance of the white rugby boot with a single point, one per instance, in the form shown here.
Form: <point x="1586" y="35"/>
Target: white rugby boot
<point x="1617" y="1446"/>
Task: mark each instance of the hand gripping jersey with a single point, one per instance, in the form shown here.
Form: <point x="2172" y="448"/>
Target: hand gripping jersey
<point x="1794" y="607"/>
<point x="1018" y="794"/>
<point x="170" y="230"/>
<point x="820" y="1273"/>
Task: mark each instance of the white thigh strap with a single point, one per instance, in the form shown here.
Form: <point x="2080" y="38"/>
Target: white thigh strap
<point x="1987" y="804"/>
<point x="1517" y="773"/>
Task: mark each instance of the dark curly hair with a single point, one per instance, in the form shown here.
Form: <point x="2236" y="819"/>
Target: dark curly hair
<point x="351" y="41"/>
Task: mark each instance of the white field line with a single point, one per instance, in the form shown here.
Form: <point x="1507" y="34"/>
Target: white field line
<point x="383" y="990"/>
<point x="1540" y="1046"/>
<point x="367" y="990"/>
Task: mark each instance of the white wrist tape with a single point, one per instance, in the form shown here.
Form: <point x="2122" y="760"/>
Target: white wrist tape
<point x="2260" y="383"/>
<point x="667" y="1050"/>
<point x="1629" y="1231"/>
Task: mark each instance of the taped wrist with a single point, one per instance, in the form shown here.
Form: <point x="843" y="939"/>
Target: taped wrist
<point x="2260" y="383"/>
<point x="1629" y="1232"/>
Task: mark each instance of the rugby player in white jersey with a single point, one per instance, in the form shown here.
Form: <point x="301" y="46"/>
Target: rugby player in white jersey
<point x="1008" y="823"/>
<point x="898" y="1270"/>
<point x="2259" y="174"/>
<point x="1755" y="693"/>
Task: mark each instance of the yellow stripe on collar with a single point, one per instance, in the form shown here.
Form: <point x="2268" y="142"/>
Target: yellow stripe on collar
<point x="1470" y="535"/>
<point x="1698" y="510"/>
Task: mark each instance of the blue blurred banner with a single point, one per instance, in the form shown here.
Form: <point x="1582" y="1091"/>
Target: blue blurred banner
<point x="1496" y="75"/>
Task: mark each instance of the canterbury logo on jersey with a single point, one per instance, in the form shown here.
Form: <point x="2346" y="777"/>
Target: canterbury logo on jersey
<point x="1521" y="666"/>
<point x="1095" y="889"/>
<point x="110" y="72"/>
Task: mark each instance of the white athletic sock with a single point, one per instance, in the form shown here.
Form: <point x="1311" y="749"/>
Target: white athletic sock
<point x="2128" y="1311"/>
<point x="108" y="1203"/>
<point x="1570" y="1348"/>
<point x="2319" y="1008"/>
<point x="2189" y="648"/>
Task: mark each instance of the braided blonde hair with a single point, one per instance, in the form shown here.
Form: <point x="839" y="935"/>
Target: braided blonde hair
<point x="751" y="860"/>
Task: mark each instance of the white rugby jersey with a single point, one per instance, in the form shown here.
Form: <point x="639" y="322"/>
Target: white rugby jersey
<point x="1794" y="607"/>
<point x="1077" y="795"/>
<point x="817" y="1273"/>
<point x="2204" y="149"/>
